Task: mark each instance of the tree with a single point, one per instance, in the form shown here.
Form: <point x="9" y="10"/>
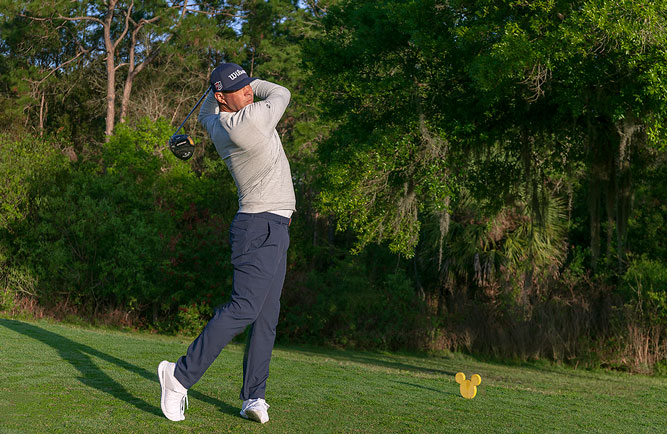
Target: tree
<point x="595" y="67"/>
<point x="123" y="33"/>
<point x="386" y="159"/>
<point x="506" y="100"/>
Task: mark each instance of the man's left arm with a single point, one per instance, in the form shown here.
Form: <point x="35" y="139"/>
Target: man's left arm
<point x="269" y="111"/>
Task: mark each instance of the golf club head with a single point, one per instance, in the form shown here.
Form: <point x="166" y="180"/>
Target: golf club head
<point x="182" y="146"/>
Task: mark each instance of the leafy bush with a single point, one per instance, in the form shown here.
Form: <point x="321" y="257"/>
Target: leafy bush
<point x="339" y="306"/>
<point x="29" y="167"/>
<point x="133" y="232"/>
<point x="645" y="288"/>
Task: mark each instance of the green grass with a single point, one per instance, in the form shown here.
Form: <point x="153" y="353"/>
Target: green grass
<point x="60" y="378"/>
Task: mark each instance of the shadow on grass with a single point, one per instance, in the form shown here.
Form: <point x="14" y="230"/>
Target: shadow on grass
<point x="419" y="386"/>
<point x="369" y="359"/>
<point x="380" y="360"/>
<point x="79" y="356"/>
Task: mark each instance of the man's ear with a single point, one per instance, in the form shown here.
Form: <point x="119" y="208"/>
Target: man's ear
<point x="220" y="97"/>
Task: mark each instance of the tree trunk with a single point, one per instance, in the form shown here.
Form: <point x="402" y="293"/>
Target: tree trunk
<point x="127" y="91"/>
<point x="133" y="68"/>
<point x="111" y="71"/>
<point x="599" y="150"/>
<point x="111" y="97"/>
<point x="131" y="73"/>
<point x="610" y="204"/>
<point x="628" y="128"/>
<point x="444" y="220"/>
<point x="42" y="115"/>
<point x="594" y="210"/>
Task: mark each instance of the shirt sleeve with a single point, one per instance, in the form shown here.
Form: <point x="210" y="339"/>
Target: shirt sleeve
<point x="209" y="107"/>
<point x="267" y="113"/>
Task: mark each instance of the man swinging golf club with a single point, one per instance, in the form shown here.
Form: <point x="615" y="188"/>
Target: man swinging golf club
<point x="244" y="134"/>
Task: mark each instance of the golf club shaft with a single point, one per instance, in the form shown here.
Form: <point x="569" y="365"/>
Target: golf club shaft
<point x="193" y="109"/>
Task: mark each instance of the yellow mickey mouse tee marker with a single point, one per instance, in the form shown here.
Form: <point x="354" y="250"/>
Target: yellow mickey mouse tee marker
<point x="468" y="387"/>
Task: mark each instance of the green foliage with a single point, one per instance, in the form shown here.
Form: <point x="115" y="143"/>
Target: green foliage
<point x="384" y="163"/>
<point x="6" y="300"/>
<point x="644" y="285"/>
<point x="133" y="234"/>
<point x="27" y="166"/>
<point x="505" y="100"/>
<point x="340" y="307"/>
<point x="507" y="250"/>
<point x="647" y="229"/>
<point x="492" y="138"/>
<point x="192" y="318"/>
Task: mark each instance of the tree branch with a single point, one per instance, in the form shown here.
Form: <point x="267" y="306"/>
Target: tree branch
<point x="214" y="13"/>
<point x="60" y="17"/>
<point x="53" y="70"/>
<point x="153" y="54"/>
<point x="127" y="26"/>
<point x="315" y="7"/>
<point x="184" y="9"/>
<point x="133" y="44"/>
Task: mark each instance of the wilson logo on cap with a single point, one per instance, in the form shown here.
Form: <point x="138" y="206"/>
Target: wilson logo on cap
<point x="236" y="74"/>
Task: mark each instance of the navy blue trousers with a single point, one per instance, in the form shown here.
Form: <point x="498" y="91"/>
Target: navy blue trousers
<point x="259" y="257"/>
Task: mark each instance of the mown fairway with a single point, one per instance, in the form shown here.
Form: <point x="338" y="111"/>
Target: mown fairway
<point x="59" y="378"/>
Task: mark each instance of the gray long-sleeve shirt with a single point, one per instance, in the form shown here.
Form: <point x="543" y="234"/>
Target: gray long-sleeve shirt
<point x="249" y="144"/>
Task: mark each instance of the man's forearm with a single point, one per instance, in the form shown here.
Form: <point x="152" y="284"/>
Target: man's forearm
<point x="265" y="89"/>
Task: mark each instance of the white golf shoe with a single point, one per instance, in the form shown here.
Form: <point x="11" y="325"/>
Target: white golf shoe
<point x="255" y="409"/>
<point x="174" y="396"/>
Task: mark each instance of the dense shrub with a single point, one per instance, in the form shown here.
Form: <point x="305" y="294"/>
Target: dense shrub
<point x="644" y="325"/>
<point x="645" y="288"/>
<point x="29" y="168"/>
<point x="342" y="306"/>
<point x="132" y="232"/>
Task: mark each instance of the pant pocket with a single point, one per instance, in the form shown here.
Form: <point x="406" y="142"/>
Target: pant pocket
<point x="257" y="235"/>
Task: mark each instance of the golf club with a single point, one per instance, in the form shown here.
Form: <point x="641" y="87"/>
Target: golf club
<point x="182" y="145"/>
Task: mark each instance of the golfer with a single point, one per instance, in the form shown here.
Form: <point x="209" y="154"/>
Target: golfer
<point x="245" y="136"/>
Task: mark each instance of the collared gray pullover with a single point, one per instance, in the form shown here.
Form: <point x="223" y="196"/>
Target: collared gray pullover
<point x="249" y="144"/>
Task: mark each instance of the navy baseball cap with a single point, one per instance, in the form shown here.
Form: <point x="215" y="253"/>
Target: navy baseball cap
<point x="228" y="77"/>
